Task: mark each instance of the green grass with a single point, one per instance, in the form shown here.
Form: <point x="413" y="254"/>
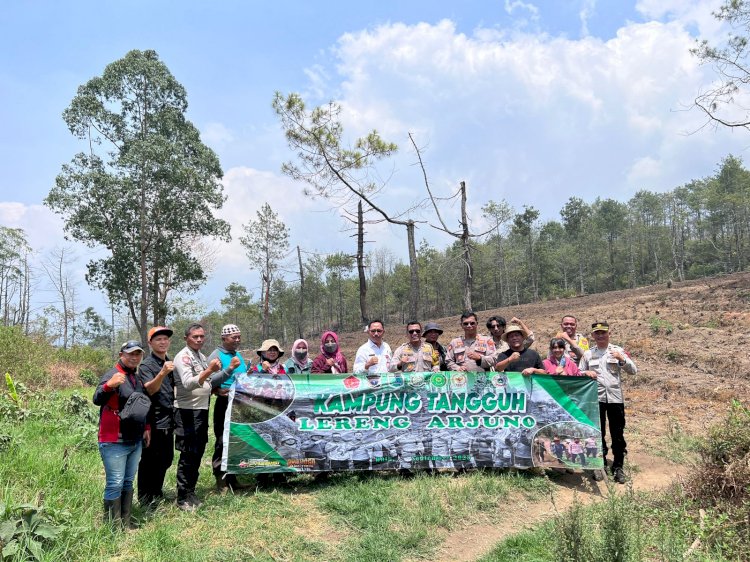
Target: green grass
<point x="625" y="527"/>
<point x="50" y="458"/>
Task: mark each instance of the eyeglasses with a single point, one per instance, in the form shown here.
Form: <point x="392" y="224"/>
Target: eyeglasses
<point x="414" y="331"/>
<point x="468" y="323"/>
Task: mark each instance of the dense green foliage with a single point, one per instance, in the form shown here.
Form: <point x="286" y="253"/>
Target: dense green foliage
<point x="145" y="189"/>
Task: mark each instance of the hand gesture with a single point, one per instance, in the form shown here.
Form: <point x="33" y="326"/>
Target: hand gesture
<point x="560" y="369"/>
<point x="515" y="320"/>
<point x="330" y="361"/>
<point x="116" y="380"/>
<point x="515" y="356"/>
<point x="266" y="366"/>
<point x="168" y="367"/>
<point x="474" y="355"/>
<point x="618" y="355"/>
<point x="234" y="362"/>
<point x="373" y="360"/>
<point x="214" y="365"/>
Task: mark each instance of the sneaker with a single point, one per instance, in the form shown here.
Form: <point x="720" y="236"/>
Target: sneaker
<point x="196" y="502"/>
<point x="619" y="476"/>
<point x="598" y="475"/>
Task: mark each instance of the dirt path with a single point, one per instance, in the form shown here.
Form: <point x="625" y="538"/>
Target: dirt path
<point x="473" y="541"/>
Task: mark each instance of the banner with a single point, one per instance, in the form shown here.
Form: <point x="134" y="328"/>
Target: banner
<point x="447" y="420"/>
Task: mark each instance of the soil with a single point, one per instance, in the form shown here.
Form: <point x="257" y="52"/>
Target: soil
<point x="690" y="343"/>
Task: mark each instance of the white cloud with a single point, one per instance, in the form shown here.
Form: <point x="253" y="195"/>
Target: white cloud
<point x="584" y="14"/>
<point x="516" y="5"/>
<point x="217" y="135"/>
<point x="534" y="118"/>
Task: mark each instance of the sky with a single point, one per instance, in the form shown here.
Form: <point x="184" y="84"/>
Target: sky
<point x="530" y="102"/>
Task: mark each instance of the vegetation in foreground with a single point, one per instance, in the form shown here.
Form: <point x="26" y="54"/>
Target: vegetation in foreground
<point x="705" y="518"/>
<point x="51" y="470"/>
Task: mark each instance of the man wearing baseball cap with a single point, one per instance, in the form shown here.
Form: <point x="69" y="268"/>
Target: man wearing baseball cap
<point x="155" y="372"/>
<point x="231" y="361"/>
<point x="608" y="362"/>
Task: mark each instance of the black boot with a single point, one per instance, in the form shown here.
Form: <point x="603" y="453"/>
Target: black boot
<point x="126" y="507"/>
<point x="112" y="511"/>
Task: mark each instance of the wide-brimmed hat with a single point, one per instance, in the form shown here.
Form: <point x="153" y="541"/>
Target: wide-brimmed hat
<point x="268" y="344"/>
<point x="509" y="329"/>
<point x="158" y="331"/>
<point x="432" y="327"/>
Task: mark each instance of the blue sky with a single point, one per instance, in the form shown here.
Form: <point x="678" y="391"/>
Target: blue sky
<point x="528" y="101"/>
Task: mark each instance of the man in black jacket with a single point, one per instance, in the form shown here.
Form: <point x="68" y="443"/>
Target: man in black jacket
<point x="155" y="372"/>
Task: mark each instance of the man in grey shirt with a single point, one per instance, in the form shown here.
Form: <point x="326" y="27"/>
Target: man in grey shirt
<point x="194" y="379"/>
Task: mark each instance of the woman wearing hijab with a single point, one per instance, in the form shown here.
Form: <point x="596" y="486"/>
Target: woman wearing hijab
<point x="270" y="353"/>
<point x="330" y="360"/>
<point x="300" y="361"/>
<point x="558" y="363"/>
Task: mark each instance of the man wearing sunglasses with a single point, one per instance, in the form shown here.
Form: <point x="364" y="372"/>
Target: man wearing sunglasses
<point x="375" y="355"/>
<point x="415" y="356"/>
<point x="496" y="325"/>
<point x="466" y="353"/>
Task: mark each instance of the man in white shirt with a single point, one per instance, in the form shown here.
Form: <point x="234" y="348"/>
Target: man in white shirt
<point x="375" y="355"/>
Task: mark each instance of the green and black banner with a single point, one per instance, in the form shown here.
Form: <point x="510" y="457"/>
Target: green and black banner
<point x="447" y="420"/>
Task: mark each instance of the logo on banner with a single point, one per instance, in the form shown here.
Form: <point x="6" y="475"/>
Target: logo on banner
<point x="351" y="382"/>
<point x="438" y="380"/>
<point x="458" y="379"/>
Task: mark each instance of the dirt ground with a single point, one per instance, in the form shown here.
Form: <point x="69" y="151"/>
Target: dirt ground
<point x="690" y="343"/>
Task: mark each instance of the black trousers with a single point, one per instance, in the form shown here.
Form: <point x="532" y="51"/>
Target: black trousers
<point x="155" y="461"/>
<point x="191" y="436"/>
<point x="220" y="410"/>
<point x="615" y="414"/>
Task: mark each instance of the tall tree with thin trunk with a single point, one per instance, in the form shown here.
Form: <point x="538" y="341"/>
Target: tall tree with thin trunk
<point x="266" y="243"/>
<point x="56" y="266"/>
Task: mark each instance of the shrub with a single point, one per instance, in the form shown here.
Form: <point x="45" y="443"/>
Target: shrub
<point x="89" y="377"/>
<point x="721" y="483"/>
<point x="86" y="358"/>
<point x="659" y="324"/>
<point x="25" y="358"/>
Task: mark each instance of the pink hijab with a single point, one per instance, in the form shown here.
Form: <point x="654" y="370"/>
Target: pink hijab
<point x="338" y="356"/>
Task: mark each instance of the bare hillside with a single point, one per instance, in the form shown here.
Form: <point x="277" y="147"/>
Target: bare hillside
<point x="690" y="342"/>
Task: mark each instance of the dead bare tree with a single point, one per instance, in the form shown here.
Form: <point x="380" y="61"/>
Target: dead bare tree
<point x="463" y="234"/>
<point x="338" y="173"/>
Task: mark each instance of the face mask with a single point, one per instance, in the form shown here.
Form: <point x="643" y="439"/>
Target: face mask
<point x="300" y="353"/>
<point x="330" y="347"/>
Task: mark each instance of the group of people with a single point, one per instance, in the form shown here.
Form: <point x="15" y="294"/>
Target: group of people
<point x="180" y="389"/>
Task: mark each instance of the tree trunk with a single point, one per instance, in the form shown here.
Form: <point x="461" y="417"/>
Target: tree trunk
<point x="466" y="255"/>
<point x="301" y="306"/>
<point x="414" y="269"/>
<point x="142" y="319"/>
<point x="361" y="264"/>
